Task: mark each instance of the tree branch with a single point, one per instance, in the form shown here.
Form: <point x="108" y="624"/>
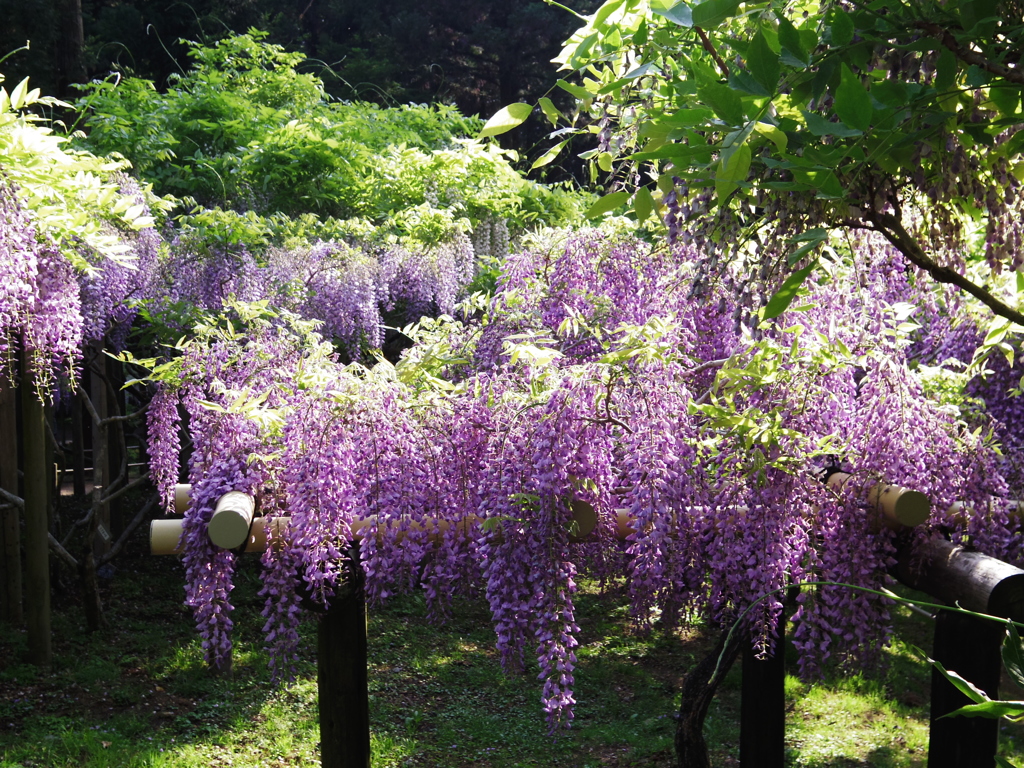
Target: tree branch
<point x="970" y="57"/>
<point x="62" y="553"/>
<point x="15" y="500"/>
<point x="129" y="529"/>
<point x="710" y="48"/>
<point x="892" y="229"/>
<point x="120" y="492"/>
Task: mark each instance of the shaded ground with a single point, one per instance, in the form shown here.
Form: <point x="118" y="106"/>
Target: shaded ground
<point x="139" y="695"/>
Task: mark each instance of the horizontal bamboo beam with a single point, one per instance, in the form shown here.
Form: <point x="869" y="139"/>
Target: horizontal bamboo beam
<point x="233" y="526"/>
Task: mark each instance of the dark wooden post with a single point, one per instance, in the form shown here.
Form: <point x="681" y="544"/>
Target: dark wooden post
<point x="10" y="517"/>
<point x="342" y="680"/>
<point x="971" y="648"/>
<point x="763" y="706"/>
<point x="37" y="544"/>
<point x="963" y="644"/>
<point x="117" y="458"/>
<point x="77" y="447"/>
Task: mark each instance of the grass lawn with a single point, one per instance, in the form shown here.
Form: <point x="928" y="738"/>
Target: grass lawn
<point x="138" y="694"/>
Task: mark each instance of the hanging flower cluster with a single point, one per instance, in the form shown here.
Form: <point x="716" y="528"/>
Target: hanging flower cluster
<point x="40" y="308"/>
<point x="594" y="380"/>
<point x="348" y="288"/>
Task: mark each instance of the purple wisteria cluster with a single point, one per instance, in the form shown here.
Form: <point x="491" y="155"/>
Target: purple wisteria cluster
<point x="349" y="288"/>
<point x="112" y="293"/>
<point x="40" y="308"/>
<point x="599" y="380"/>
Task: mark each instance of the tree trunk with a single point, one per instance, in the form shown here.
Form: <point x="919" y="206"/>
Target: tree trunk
<point x="10" y="518"/>
<point x="699" y="688"/>
<point x="69" y="47"/>
<point x="37" y="544"/>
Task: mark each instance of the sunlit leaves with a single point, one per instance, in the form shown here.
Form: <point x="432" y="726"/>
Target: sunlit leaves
<point x="783" y="297"/>
<point x="711" y="13"/>
<point x="607" y="203"/>
<point x="505" y="119"/>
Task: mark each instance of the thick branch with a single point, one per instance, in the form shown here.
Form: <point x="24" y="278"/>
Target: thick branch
<point x="129" y="529"/>
<point x="892" y="229"/>
<point x="62" y="553"/>
<point x="132" y="485"/>
<point x="15" y="500"/>
<point x="965" y="54"/>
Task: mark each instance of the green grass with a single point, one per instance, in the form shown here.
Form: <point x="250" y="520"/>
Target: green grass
<point x="138" y="694"/>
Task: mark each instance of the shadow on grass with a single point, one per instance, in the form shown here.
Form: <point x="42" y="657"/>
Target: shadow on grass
<point x="138" y="693"/>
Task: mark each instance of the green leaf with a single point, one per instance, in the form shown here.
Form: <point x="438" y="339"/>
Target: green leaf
<point x="790" y="41"/>
<point x="711" y="13"/>
<point x="842" y="27"/>
<point x="819" y="126"/>
<point x="643" y="204"/>
<point x="1005" y="96"/>
<point x="967" y="688"/>
<point x="686" y="118"/>
<point x="1013" y="653"/>
<point x="679" y="13"/>
<point x="548" y="156"/>
<point x="605" y="11"/>
<point x="18" y="95"/>
<point x="774" y="134"/>
<point x="763" y="62"/>
<point x="607" y="203"/>
<point x="989" y="709"/>
<point x="787" y="292"/>
<point x="550" y="110"/>
<point x="505" y="119"/>
<point x="576" y="90"/>
<point x="852" y="101"/>
<point x="945" y="70"/>
<point x="732" y="170"/>
<point x="725" y="102"/>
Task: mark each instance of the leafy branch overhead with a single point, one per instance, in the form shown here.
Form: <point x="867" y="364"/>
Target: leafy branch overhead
<point x="901" y="119"/>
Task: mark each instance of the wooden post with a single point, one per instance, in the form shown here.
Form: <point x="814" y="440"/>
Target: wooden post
<point x="77" y="447"/>
<point x="101" y="470"/>
<point x="10" y="518"/>
<point x="115" y="435"/>
<point x="763" y="706"/>
<point x="971" y="648"/>
<point x="342" y="679"/>
<point x="964" y="644"/>
<point x="37" y="545"/>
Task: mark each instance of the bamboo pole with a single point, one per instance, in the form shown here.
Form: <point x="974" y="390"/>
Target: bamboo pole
<point x="233" y="525"/>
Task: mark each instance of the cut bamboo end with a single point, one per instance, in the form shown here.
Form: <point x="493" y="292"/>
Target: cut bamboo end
<point x="165" y="537"/>
<point x="584" y="519"/>
<point x="901" y="505"/>
<point x="623" y="527"/>
<point x="898" y="506"/>
<point x="182" y="496"/>
<point x="232" y="518"/>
